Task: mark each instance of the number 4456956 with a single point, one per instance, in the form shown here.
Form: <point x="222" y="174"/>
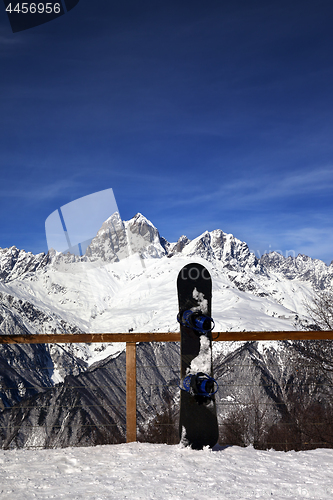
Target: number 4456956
<point x="33" y="8"/>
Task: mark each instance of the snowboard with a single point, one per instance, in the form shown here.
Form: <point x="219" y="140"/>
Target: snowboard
<point x="198" y="421"/>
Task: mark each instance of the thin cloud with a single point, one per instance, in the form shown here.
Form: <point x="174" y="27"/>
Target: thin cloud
<point x="245" y="191"/>
<point x="312" y="241"/>
<point x="50" y="191"/>
<point x="258" y="189"/>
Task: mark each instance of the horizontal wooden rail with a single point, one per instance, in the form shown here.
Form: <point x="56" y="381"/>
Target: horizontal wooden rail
<point x="281" y="335"/>
<point x="85" y="338"/>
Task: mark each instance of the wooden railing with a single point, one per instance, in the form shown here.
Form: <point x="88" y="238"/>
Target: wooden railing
<point x="86" y="338"/>
<point x="132" y="338"/>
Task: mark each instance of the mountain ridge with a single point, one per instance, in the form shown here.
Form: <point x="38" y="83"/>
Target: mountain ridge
<point x="118" y="239"/>
<point x="126" y="280"/>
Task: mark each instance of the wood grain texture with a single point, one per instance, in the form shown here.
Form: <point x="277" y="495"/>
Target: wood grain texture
<point x="86" y="338"/>
<point x="130" y="392"/>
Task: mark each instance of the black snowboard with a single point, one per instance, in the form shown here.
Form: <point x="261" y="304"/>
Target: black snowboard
<point x="198" y="422"/>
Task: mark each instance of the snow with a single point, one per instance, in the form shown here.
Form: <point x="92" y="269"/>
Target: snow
<point x="158" y="471"/>
<point x="120" y="296"/>
<point x="202" y="302"/>
<point x="117" y="297"/>
<point x="203" y="361"/>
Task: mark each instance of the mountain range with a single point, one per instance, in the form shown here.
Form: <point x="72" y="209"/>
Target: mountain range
<point x="59" y="395"/>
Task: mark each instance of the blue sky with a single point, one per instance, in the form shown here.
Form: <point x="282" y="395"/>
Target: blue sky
<point x="200" y="115"/>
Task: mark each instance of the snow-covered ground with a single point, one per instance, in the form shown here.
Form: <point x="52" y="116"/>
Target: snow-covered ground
<point x="157" y="471"/>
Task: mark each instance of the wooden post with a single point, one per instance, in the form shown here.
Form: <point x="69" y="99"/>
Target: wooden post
<point x="130" y="392"/>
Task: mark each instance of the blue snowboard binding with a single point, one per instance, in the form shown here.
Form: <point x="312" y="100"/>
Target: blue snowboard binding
<point x="199" y="322"/>
<point x="200" y="384"/>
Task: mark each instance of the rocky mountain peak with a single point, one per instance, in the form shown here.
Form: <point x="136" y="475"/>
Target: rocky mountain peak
<point x="118" y="239"/>
<point x="179" y="246"/>
<point x="14" y="263"/>
<point x="110" y="243"/>
<point x="140" y="219"/>
<point x="217" y="245"/>
<point x="300" y="267"/>
<point x="144" y="238"/>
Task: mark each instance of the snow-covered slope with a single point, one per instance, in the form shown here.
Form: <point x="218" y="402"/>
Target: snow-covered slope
<point x="150" y="472"/>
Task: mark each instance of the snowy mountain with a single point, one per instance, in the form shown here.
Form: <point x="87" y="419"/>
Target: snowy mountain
<point x="127" y="280"/>
<point x="15" y="263"/>
<point x="304" y="268"/>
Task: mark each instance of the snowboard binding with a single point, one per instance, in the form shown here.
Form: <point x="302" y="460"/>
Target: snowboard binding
<point x="200" y="384"/>
<point x="199" y="322"/>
